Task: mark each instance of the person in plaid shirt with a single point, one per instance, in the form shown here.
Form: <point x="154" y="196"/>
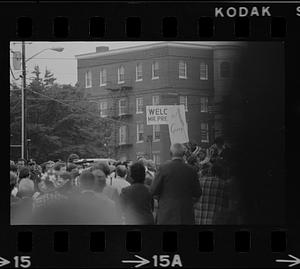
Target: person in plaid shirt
<point x="211" y="206"/>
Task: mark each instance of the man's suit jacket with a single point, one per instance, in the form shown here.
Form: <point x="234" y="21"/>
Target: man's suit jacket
<point x="177" y="187"/>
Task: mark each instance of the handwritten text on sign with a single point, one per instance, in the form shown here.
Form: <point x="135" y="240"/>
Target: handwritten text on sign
<point x="157" y="115"/>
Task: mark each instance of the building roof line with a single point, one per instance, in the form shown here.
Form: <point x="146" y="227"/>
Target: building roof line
<point x="144" y="47"/>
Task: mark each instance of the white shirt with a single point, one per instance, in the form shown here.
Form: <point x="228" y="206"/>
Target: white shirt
<point x="119" y="183"/>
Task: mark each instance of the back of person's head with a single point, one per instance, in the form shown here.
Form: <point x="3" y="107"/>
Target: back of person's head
<point x="100" y="179"/>
<point x="137" y="172"/>
<point x="121" y="171"/>
<point x="142" y="161"/>
<point x="25" y="188"/>
<point x="177" y="150"/>
<point x="24" y="172"/>
<point x="87" y="180"/>
<point x="101" y="166"/>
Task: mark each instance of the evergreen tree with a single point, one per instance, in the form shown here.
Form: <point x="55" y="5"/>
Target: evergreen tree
<point x="48" y="78"/>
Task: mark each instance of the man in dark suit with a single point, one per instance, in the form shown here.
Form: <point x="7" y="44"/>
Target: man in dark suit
<point x="177" y="187"/>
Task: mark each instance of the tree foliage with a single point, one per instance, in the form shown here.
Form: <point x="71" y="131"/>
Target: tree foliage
<point x="60" y="121"/>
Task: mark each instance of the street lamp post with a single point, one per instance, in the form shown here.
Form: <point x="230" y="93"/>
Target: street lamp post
<point x="24" y="101"/>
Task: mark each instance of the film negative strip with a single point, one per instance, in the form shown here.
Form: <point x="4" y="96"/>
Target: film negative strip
<point x="151" y="135"/>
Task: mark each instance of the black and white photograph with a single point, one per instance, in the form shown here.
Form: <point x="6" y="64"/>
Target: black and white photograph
<point x="147" y="133"/>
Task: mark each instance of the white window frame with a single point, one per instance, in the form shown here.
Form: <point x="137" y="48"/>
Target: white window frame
<point x="185" y="103"/>
<point x="88" y="78"/>
<point x="155" y="100"/>
<point x="119" y="74"/>
<point x="120" y="107"/>
<point x="103" y="76"/>
<point x="137" y="72"/>
<point x="138" y="132"/>
<point x="153" y="133"/>
<point x="139" y="105"/>
<point x="122" y="134"/>
<point x="204" y="104"/>
<point x="207" y="133"/>
<point x="153" y="69"/>
<point x="184" y="68"/>
<point x="203" y="71"/>
<point x="103" y="109"/>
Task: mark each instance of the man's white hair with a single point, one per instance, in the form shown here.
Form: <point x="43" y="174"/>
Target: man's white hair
<point x="177" y="150"/>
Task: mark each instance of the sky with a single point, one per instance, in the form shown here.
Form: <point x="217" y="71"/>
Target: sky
<point x="62" y="64"/>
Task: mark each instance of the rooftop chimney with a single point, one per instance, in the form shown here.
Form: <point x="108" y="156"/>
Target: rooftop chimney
<point x="102" y="49"/>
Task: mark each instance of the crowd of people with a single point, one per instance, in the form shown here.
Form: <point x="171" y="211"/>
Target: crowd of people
<point x="193" y="187"/>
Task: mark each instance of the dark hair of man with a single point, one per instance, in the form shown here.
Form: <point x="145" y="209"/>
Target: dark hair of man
<point x="24" y="172"/>
<point x="137" y="173"/>
<point x="87" y="180"/>
<point x="101" y="166"/>
<point x="121" y="171"/>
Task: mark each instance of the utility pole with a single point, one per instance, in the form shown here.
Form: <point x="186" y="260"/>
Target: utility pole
<point x="24" y="112"/>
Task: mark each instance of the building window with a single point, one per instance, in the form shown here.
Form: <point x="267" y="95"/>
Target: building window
<point x="103" y="77"/>
<point x="203" y="71"/>
<point x="88" y="79"/>
<point x="155" y="100"/>
<point x="139" y="105"/>
<point x="204" y="133"/>
<point x="122" y="135"/>
<point x="225" y="69"/>
<point x="122" y="106"/>
<point x="204" y="104"/>
<point x="183" y="101"/>
<point x="155" y="70"/>
<point x="156" y="157"/>
<point x="103" y="109"/>
<point x="138" y="72"/>
<point x="121" y="74"/>
<point x="182" y="69"/>
<point x="139" y="132"/>
<point x="156" y="132"/>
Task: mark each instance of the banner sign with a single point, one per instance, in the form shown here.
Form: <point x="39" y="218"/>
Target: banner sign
<point x="177" y="124"/>
<point x="174" y="116"/>
<point x="157" y="115"/>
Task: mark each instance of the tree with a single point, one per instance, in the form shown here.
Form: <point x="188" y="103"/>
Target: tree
<point x="59" y="122"/>
<point x="48" y="78"/>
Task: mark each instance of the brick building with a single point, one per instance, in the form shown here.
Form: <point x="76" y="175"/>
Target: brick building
<point x="122" y="82"/>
